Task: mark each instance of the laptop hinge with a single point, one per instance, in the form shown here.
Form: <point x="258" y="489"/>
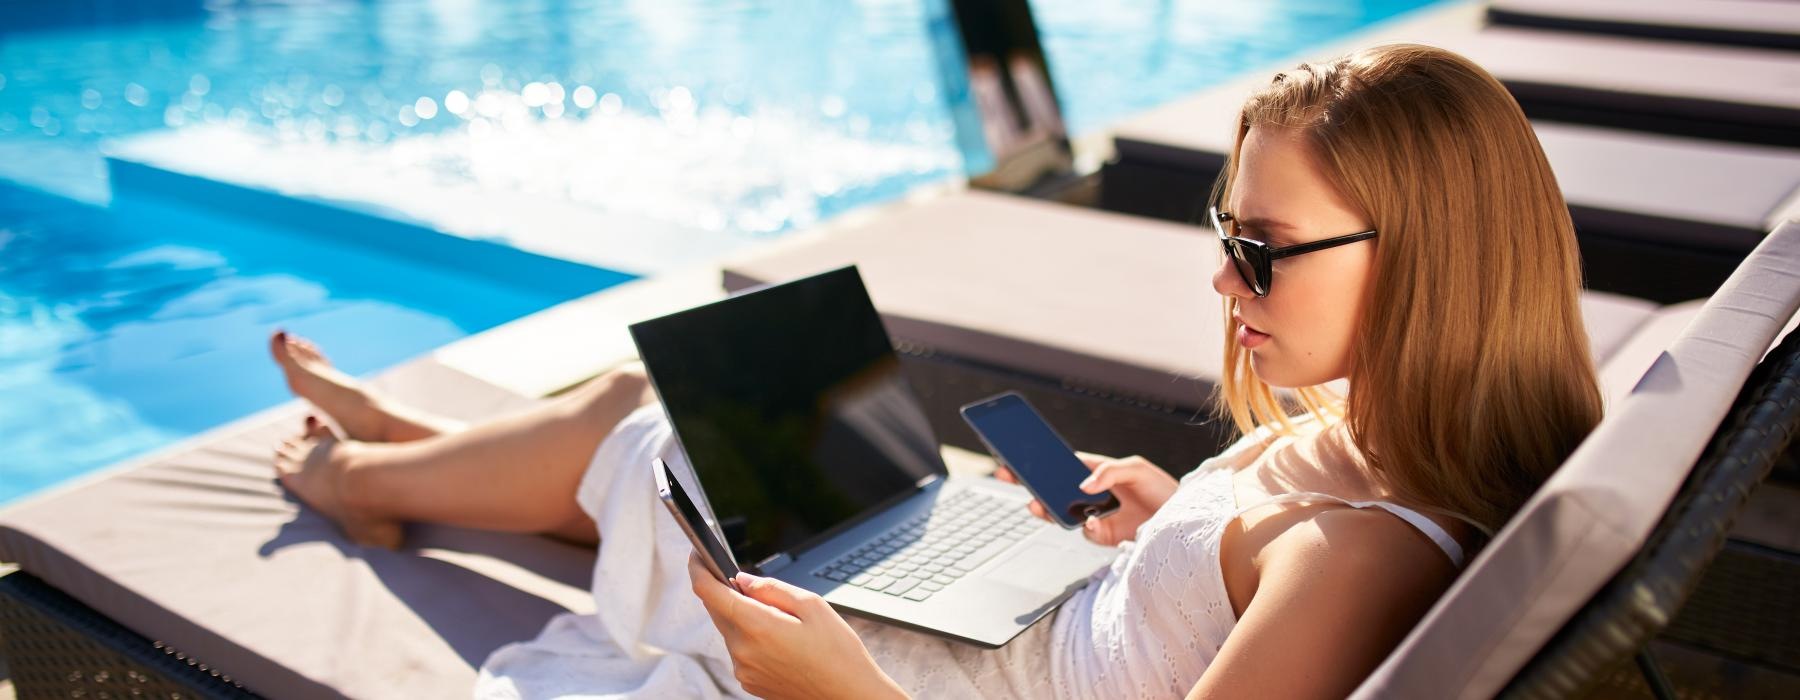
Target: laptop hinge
<point x="774" y="563"/>
<point x="782" y="559"/>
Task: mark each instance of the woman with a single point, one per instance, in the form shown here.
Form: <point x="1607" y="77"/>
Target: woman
<point x="1388" y="219"/>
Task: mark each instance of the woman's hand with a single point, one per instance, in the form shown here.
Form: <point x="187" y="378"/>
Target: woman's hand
<point x="1141" y="487"/>
<point x="786" y="642"/>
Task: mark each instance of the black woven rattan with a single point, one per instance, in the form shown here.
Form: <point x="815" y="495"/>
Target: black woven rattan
<point x="1644" y="597"/>
<point x="1746" y="583"/>
<point x="57" y="647"/>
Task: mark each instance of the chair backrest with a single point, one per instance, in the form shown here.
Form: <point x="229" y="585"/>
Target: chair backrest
<point x="1644" y="597"/>
<point x="1598" y="510"/>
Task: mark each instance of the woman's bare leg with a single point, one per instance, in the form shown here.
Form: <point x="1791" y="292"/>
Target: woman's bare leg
<point x="516" y="474"/>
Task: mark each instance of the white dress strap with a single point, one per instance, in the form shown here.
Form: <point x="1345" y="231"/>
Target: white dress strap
<point x="1429" y="527"/>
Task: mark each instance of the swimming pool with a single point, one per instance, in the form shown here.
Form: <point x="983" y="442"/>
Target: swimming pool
<point x="1110" y="60"/>
<point x="121" y="333"/>
<point x="125" y="327"/>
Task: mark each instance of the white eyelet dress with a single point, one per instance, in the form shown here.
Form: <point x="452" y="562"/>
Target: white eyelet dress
<point x="1147" y="626"/>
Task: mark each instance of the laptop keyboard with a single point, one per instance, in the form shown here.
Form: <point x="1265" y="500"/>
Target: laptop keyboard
<point x="923" y="555"/>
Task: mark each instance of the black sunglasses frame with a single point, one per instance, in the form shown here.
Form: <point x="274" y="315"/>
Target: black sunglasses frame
<point x="1260" y="258"/>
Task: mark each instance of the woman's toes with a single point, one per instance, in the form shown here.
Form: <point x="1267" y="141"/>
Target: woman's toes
<point x="304" y="351"/>
<point x="277" y="343"/>
<point x="310" y="376"/>
<point x="313" y="467"/>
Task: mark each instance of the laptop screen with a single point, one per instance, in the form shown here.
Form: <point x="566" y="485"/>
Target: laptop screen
<point x="789" y="402"/>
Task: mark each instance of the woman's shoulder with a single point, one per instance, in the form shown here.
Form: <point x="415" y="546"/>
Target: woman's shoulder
<point x="1363" y="546"/>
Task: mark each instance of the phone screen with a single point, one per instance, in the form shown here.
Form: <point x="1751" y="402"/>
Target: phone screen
<point x="699" y="529"/>
<point x="1047" y="466"/>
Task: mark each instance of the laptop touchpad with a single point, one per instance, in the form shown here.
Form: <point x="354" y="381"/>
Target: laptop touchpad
<point x="1040" y="567"/>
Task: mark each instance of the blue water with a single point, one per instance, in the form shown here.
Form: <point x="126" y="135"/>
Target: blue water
<point x="1116" y="58"/>
<point x="122" y="331"/>
<point x="747" y="93"/>
<point x="125" y="324"/>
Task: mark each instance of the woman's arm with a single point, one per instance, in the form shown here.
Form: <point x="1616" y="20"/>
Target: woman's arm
<point x="787" y="642"/>
<point x="1334" y="595"/>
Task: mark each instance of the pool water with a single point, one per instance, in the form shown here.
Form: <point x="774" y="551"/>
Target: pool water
<point x="122" y="333"/>
<point x="718" y="115"/>
<point x="1110" y="60"/>
<point x="126" y="324"/>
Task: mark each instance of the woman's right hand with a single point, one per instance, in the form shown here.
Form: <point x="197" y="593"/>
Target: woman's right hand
<point x="1140" y="486"/>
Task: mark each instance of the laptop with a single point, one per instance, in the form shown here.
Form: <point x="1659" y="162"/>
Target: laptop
<point x="819" y="466"/>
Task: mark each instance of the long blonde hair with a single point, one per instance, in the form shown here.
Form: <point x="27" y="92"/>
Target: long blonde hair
<point x="1471" y="378"/>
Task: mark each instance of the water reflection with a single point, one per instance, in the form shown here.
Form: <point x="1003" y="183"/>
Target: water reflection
<point x="370" y="74"/>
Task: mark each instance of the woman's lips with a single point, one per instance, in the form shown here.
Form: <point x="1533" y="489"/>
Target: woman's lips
<point x="1249" y="337"/>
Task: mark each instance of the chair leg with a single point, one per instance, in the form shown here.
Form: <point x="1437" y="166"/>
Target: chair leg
<point x="1653" y="675"/>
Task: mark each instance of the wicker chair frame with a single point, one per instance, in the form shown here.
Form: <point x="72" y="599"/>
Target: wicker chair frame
<point x="1728" y="608"/>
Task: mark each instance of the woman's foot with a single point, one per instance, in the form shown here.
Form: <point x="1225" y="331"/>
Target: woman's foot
<point x="310" y="376"/>
<point x="316" y="466"/>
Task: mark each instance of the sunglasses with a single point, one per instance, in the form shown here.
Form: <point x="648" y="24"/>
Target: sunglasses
<point x="1253" y="258"/>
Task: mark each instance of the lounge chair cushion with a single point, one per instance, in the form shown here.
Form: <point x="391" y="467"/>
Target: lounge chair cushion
<point x="1599" y="507"/>
<point x="1698" y="83"/>
<point x="197" y="547"/>
<point x="1124" y="303"/>
<point x="1738" y="22"/>
<point x="1097" y="299"/>
<point x="1691" y="193"/>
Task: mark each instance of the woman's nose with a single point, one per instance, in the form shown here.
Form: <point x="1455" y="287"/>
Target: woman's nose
<point x="1227" y="282"/>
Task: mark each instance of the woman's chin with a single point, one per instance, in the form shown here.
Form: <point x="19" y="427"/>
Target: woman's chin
<point x="1273" y="373"/>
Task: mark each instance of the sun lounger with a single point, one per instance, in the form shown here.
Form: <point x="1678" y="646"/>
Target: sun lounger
<point x="1682" y="89"/>
<point x="1754" y="23"/>
<point x="1528" y="601"/>
<point x="190" y="572"/>
<point x="1660" y="217"/>
<point x="1738" y="600"/>
<point x="200" y="552"/>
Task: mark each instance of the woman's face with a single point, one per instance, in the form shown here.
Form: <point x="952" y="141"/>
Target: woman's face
<point x="1298" y="335"/>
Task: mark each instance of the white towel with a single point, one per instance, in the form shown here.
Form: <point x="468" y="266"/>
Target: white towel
<point x="649" y="637"/>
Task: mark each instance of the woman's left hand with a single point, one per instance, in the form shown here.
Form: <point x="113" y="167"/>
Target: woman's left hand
<point x="787" y="642"/>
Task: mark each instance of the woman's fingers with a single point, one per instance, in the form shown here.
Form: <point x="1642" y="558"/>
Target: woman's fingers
<point x="720" y="601"/>
<point x="1006" y="475"/>
<point x="712" y="593"/>
<point x="1116" y="472"/>
<point x="1098" y="531"/>
<point x="1104" y="477"/>
<point x="779" y="595"/>
<point x="1037" y="509"/>
<point x="733" y="612"/>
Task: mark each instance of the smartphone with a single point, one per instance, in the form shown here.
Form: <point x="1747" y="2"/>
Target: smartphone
<point x="714" y="555"/>
<point x="1020" y="438"/>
